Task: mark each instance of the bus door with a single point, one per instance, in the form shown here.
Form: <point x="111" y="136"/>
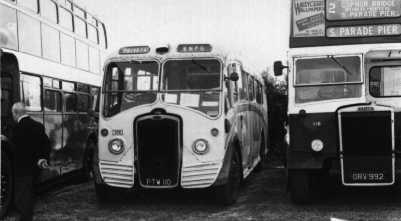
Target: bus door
<point x="53" y="124"/>
<point x="76" y="122"/>
<point x="69" y="153"/>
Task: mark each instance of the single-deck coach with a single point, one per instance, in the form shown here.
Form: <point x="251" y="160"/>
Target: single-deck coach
<point x="185" y="116"/>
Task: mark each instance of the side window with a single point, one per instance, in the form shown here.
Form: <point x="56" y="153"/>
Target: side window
<point x="30" y="87"/>
<point x="92" y="33"/>
<point x="8" y="27"/>
<point x="83" y="102"/>
<point x="243" y="87"/>
<point x="50" y="43"/>
<point x="48" y="9"/>
<point x="70" y="101"/>
<point x="52" y="101"/>
<point x="251" y="89"/>
<point x="82" y="55"/>
<point x="29" y="4"/>
<point x="259" y="94"/>
<point x="65" y="19"/>
<point x="95" y="93"/>
<point x="29" y="34"/>
<point x="80" y="26"/>
<point x="67" y="50"/>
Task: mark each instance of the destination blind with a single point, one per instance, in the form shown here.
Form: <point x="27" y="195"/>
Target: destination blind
<point x="362" y="9"/>
<point x="364" y="31"/>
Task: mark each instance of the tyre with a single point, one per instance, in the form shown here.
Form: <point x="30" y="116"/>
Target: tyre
<point x="228" y="193"/>
<point x="299" y="186"/>
<point x="103" y="192"/>
<point x="7" y="184"/>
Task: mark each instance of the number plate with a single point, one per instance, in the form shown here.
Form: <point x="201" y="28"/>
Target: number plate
<point x="368" y="170"/>
<point x="158" y="182"/>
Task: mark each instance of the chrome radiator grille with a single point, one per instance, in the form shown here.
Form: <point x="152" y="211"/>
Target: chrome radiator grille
<point x="117" y="175"/>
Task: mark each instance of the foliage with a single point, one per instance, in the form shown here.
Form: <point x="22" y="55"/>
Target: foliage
<point x="276" y="90"/>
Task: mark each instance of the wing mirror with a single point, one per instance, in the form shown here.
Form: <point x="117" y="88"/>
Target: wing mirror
<point x="278" y="68"/>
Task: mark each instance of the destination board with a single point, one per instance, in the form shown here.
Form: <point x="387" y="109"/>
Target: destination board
<point x="364" y="31"/>
<point x="362" y="9"/>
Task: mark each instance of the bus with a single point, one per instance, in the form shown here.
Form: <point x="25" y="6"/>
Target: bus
<point x="186" y="116"/>
<point x="344" y="88"/>
<point x="51" y="60"/>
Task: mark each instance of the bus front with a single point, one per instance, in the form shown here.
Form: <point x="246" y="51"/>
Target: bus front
<point x="161" y="124"/>
<point x="344" y="95"/>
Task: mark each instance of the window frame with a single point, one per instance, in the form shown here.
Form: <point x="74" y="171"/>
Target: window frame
<point x="21" y="89"/>
<point x="61" y="102"/>
<point x="48" y="18"/>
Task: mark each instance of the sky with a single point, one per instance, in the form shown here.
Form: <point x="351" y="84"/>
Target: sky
<point x="256" y="31"/>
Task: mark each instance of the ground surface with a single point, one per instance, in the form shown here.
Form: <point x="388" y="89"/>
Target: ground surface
<point x="263" y="197"/>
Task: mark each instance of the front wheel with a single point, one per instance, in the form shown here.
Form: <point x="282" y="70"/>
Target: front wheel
<point x="103" y="192"/>
<point x="6" y="185"/>
<point x="228" y="193"/>
<point x="299" y="186"/>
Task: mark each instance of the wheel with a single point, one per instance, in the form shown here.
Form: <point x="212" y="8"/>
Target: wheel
<point x="103" y="192"/>
<point x="262" y="155"/>
<point x="299" y="186"/>
<point x="87" y="170"/>
<point x="7" y="184"/>
<point x="228" y="193"/>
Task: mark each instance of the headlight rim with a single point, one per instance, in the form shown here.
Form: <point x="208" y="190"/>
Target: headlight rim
<point x="315" y="142"/>
<point x="122" y="149"/>
<point x="196" y="151"/>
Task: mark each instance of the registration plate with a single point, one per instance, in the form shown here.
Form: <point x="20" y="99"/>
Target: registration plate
<point x="158" y="182"/>
<point x="368" y="177"/>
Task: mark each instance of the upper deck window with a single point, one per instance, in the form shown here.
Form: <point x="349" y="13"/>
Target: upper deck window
<point x="327" y="78"/>
<point x="8" y="27"/>
<point x="385" y="81"/>
<point x="48" y="9"/>
<point x="29" y="4"/>
<point x="66" y="19"/>
<point x="195" y="74"/>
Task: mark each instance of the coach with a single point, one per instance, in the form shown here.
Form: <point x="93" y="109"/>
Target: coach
<point x="32" y="148"/>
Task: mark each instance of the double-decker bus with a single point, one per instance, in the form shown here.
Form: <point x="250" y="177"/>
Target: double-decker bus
<point x="344" y="93"/>
<point x="185" y="116"/>
<point x="51" y="61"/>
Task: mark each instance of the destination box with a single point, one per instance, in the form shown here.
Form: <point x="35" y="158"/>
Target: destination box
<point x="364" y="31"/>
<point x="362" y="9"/>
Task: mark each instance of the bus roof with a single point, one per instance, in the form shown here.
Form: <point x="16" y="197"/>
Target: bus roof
<point x="168" y="51"/>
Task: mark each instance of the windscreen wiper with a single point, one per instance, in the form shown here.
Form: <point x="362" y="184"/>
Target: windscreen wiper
<point x="203" y="67"/>
<point x="340" y="65"/>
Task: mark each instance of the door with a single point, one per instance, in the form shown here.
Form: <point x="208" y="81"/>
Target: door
<point x="53" y="124"/>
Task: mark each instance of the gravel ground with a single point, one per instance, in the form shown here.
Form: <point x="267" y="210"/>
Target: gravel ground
<point x="263" y="197"/>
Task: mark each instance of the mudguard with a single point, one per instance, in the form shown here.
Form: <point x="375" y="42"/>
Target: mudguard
<point x="222" y="178"/>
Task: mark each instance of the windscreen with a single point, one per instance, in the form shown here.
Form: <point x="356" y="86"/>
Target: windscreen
<point x="385" y="81"/>
<point x="130" y="84"/>
<point x="194" y="83"/>
<point x="318" y="79"/>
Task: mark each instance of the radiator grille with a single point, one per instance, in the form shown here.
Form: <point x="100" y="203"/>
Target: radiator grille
<point x="199" y="176"/>
<point x="117" y="175"/>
